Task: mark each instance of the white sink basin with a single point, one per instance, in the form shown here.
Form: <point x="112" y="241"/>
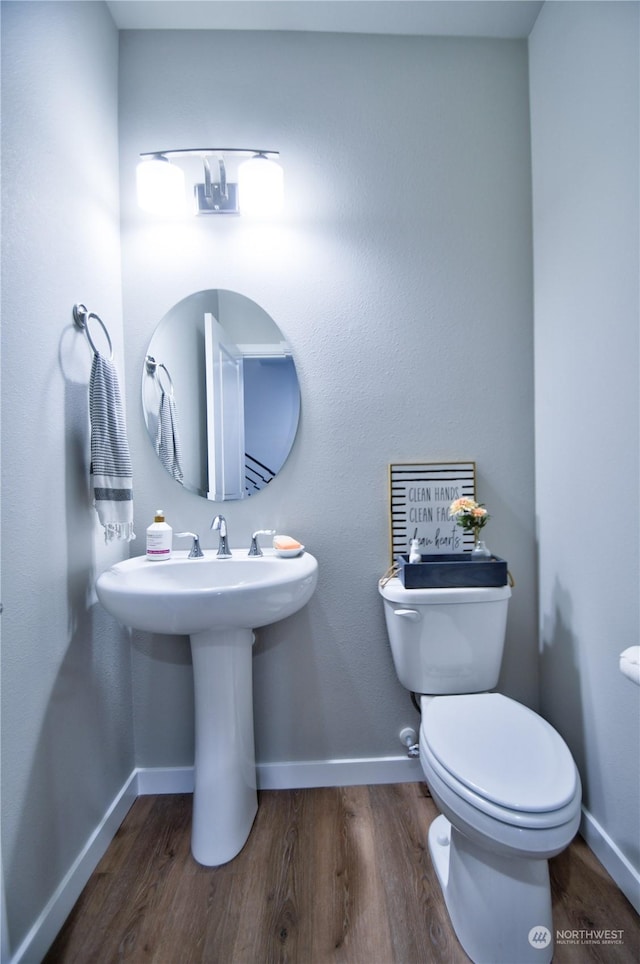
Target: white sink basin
<point x="217" y="603"/>
<point x="187" y="596"/>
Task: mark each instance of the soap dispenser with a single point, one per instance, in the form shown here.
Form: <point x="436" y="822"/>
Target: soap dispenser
<point x="159" y="538"/>
<point x="414" y="551"/>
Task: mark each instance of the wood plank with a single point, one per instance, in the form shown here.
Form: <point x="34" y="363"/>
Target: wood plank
<point x="586" y="900"/>
<point x="415" y="908"/>
<point x="346" y="889"/>
<point x="118" y="852"/>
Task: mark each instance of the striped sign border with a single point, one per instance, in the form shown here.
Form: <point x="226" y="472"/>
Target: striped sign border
<point x="460" y="476"/>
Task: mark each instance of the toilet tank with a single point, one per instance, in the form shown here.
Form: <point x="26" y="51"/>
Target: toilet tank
<point x="446" y="640"/>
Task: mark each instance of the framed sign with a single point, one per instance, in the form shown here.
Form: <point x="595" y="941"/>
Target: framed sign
<point x="420" y="494"/>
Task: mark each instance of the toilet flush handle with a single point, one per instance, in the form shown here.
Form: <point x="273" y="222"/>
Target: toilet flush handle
<point x="411" y="614"/>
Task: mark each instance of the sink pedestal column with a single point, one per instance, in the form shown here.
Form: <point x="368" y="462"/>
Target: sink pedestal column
<point x="225" y="799"/>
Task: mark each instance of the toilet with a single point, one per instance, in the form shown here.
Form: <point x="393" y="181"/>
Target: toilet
<point x="504" y="780"/>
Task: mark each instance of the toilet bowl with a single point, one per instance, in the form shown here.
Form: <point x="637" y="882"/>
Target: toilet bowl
<point x="504" y="780"/>
<point x="509" y="795"/>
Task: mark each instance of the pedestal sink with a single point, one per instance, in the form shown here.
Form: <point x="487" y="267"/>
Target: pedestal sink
<point x="217" y="603"/>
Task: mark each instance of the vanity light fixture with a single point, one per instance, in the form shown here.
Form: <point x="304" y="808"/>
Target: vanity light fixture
<point x="257" y="192"/>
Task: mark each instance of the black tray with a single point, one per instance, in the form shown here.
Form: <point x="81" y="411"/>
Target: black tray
<point x="454" y="570"/>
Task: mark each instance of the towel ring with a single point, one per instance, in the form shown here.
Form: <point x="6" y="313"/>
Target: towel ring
<point x="81" y="316"/>
<point x="152" y="369"/>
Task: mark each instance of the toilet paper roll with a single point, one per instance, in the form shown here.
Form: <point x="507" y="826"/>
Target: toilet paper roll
<point x="630" y="663"/>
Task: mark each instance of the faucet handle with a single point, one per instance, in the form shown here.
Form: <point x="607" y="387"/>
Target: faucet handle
<point x="255" y="549"/>
<point x="196" y="551"/>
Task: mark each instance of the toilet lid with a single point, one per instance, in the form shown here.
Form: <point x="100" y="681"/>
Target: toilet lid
<point x="501" y="750"/>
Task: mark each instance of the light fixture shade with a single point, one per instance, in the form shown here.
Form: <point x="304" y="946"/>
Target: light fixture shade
<point x="160" y="186"/>
<point x="260" y="187"/>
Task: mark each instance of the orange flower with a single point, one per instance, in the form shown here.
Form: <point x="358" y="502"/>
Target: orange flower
<point x="462" y="505"/>
<point x="469" y="514"/>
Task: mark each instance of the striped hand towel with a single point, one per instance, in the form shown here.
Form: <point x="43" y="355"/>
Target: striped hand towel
<point x="167" y="437"/>
<point x="110" y="459"/>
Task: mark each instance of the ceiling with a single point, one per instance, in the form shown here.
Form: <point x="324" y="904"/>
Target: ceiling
<point x="462" y="18"/>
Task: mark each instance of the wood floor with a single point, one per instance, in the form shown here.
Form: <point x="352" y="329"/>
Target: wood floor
<point x="328" y="876"/>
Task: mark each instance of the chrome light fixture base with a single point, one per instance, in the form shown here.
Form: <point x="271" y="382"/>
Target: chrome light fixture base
<point x="216" y="199"/>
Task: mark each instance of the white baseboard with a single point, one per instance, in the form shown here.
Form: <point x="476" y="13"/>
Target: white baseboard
<point x="339" y="773"/>
<point x="611" y="857"/>
<point x="152" y="780"/>
<point x="45" y="928"/>
<point x="294" y="775"/>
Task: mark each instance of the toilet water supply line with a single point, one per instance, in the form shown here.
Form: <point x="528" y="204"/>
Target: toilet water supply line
<point x="409" y="738"/>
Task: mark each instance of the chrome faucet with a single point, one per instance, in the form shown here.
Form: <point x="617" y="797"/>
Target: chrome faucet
<point x="196" y="551"/>
<point x="220" y="523"/>
<point x="255" y="549"/>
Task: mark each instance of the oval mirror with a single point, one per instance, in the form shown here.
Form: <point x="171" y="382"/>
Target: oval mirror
<point x="220" y="395"/>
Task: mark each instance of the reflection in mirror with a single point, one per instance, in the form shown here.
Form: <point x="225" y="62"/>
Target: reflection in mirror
<point x="220" y="395"/>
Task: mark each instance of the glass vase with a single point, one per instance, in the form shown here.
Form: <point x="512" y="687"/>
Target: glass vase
<point x="480" y="552"/>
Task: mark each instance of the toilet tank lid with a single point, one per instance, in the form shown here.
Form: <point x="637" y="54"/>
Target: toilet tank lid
<point x="394" y="591"/>
<point x="501" y="750"/>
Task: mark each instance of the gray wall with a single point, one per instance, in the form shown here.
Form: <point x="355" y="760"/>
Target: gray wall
<point x="401" y="277"/>
<point x="67" y="741"/>
<point x="585" y="110"/>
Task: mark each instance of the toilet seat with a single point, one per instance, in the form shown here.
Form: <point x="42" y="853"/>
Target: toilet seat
<point x="502" y="758"/>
